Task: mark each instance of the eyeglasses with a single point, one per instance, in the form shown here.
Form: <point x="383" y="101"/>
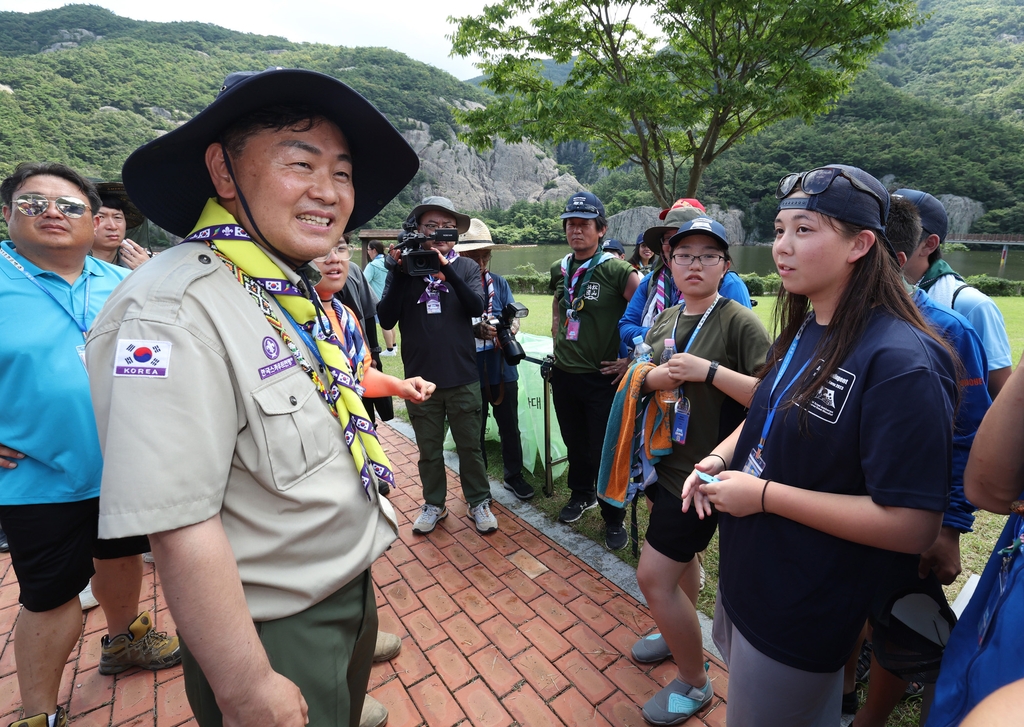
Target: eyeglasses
<point x="343" y="251"/>
<point x="709" y="260"/>
<point x="33" y="205"/>
<point x="433" y="226"/>
<point x="818" y="180"/>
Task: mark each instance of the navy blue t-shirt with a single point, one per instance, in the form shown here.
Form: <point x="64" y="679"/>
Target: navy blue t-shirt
<point x="882" y="426"/>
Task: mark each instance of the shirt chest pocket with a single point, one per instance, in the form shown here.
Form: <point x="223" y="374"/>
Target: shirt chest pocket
<point x="299" y="435"/>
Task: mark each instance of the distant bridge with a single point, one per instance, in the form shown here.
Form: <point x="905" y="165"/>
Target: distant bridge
<point x="985" y="238"/>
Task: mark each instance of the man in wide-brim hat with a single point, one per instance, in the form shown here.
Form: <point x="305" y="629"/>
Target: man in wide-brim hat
<point x="229" y="416"/>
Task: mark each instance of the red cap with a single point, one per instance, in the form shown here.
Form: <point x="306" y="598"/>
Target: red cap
<point x="682" y="202"/>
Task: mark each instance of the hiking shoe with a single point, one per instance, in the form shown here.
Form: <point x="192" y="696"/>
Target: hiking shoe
<point x="374" y="713"/>
<point x="86" y="598"/>
<point x="429" y="517"/>
<point x="651" y="649"/>
<point x="850" y="702"/>
<point x="142" y="646"/>
<point x="615" y="537"/>
<point x="575" y="508"/>
<point x="483" y="517"/>
<point x="677" y="702"/>
<point x="387" y="648"/>
<point x="383" y="487"/>
<point x="519" y="487"/>
<point x="43" y="720"/>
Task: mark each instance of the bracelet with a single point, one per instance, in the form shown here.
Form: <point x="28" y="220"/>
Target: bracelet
<point x="712" y="370"/>
<point x="725" y="464"/>
<point x="763" y="491"/>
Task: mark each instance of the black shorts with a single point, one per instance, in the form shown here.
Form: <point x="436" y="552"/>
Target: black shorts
<point x="673" y="533"/>
<point x="52" y="547"/>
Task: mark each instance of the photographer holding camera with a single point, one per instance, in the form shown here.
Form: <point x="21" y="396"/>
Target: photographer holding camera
<point x="497" y="356"/>
<point x="433" y="294"/>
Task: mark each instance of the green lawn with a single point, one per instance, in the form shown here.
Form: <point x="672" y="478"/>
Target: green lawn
<point x="975" y="547"/>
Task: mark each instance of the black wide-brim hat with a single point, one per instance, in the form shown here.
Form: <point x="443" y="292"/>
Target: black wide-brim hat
<point x="168" y="181"/>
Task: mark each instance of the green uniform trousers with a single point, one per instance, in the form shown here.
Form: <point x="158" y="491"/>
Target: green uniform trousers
<point x="461" y="406"/>
<point x="326" y="650"/>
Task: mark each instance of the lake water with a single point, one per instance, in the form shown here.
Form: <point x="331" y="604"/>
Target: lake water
<point x="758" y="259"/>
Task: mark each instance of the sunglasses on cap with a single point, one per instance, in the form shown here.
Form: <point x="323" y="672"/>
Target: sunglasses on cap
<point x="583" y="207"/>
<point x="33" y="205"/>
<point x="818" y="180"/>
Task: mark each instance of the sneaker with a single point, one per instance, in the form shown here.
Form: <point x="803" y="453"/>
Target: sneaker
<point x="429" y="517"/>
<point x="677" y="702"/>
<point x="374" y="713"/>
<point x="4" y="545"/>
<point x="142" y="646"/>
<point x="615" y="537"/>
<point x="387" y="648"/>
<point x="651" y="649"/>
<point x="575" y="508"/>
<point x="703" y="577"/>
<point x="483" y="517"/>
<point x="389" y="352"/>
<point x="148" y="558"/>
<point x="519" y="487"/>
<point x="87" y="599"/>
<point x="43" y="720"/>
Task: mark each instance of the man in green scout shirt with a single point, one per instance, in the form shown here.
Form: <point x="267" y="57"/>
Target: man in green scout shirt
<point x="591" y="290"/>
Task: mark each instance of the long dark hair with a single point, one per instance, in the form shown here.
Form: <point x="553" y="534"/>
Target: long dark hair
<point x="874" y="283"/>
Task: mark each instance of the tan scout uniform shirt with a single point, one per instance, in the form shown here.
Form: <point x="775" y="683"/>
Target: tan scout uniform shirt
<point x="201" y="411"/>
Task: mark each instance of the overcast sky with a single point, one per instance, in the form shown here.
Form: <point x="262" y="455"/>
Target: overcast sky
<point x="404" y="25"/>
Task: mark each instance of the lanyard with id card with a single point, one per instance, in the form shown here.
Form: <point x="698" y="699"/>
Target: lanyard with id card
<point x="755" y="463"/>
<point x="681" y="421"/>
<point x="85" y="312"/>
<point x="1010" y="557"/>
<point x="573" y="301"/>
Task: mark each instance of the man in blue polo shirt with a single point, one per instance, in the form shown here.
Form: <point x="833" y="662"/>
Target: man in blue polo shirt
<point x="50" y="462"/>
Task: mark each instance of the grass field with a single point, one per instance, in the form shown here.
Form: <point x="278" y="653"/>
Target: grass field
<point x="975" y="547"/>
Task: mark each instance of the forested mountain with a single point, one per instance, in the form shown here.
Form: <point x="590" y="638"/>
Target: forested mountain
<point x="941" y="109"/>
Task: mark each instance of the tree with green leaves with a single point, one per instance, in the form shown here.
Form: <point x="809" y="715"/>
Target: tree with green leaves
<point x="669" y="99"/>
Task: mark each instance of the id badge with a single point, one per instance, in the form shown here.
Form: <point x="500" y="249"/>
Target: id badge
<point x="572" y="330"/>
<point x="754" y="465"/>
<point x="433" y="304"/>
<point x="682" y="421"/>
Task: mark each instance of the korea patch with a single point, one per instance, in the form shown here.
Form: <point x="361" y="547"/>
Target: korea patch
<point x="828" y="402"/>
<point x="146" y="359"/>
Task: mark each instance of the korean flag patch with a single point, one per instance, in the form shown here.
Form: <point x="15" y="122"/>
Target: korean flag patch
<point x="147" y="359"/>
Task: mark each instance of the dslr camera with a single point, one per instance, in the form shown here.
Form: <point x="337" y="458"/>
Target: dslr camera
<point x="510" y="347"/>
<point x="417" y="259"/>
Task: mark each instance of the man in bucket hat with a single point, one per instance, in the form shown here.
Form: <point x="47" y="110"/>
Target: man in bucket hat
<point x="230" y="420"/>
<point x="435" y="315"/>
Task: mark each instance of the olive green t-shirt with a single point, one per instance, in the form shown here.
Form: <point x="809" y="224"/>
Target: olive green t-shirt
<point x="603" y="306"/>
<point x="734" y="336"/>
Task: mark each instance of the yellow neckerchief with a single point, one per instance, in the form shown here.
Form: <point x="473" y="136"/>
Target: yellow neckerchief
<point x="260" y="275"/>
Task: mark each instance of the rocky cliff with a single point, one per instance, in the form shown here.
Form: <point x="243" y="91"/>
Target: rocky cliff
<point x="500" y="177"/>
<point x="626" y="225"/>
<point x="962" y="213"/>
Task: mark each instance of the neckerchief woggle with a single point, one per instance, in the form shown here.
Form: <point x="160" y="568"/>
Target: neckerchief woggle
<point x="681" y="420"/>
<point x="260" y="275"/>
<point x="569" y="286"/>
<point x="436" y="286"/>
<point x="755" y="465"/>
<point x="88" y="281"/>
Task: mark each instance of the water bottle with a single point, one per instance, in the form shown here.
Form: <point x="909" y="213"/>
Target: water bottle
<point x="668" y="396"/>
<point x="642" y="353"/>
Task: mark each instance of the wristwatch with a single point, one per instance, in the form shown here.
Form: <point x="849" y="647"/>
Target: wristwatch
<point x="712" y="370"/>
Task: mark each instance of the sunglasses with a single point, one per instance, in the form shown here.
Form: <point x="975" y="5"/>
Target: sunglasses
<point x="580" y="207"/>
<point x="818" y="180"/>
<point x="33" y="205"/>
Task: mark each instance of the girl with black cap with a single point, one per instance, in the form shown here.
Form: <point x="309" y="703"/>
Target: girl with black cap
<point x="820" y="489"/>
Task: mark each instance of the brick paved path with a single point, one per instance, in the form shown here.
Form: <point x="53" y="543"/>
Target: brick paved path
<point x="498" y="630"/>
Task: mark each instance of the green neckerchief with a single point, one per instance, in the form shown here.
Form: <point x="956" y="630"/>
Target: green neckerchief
<point x="938" y="268"/>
